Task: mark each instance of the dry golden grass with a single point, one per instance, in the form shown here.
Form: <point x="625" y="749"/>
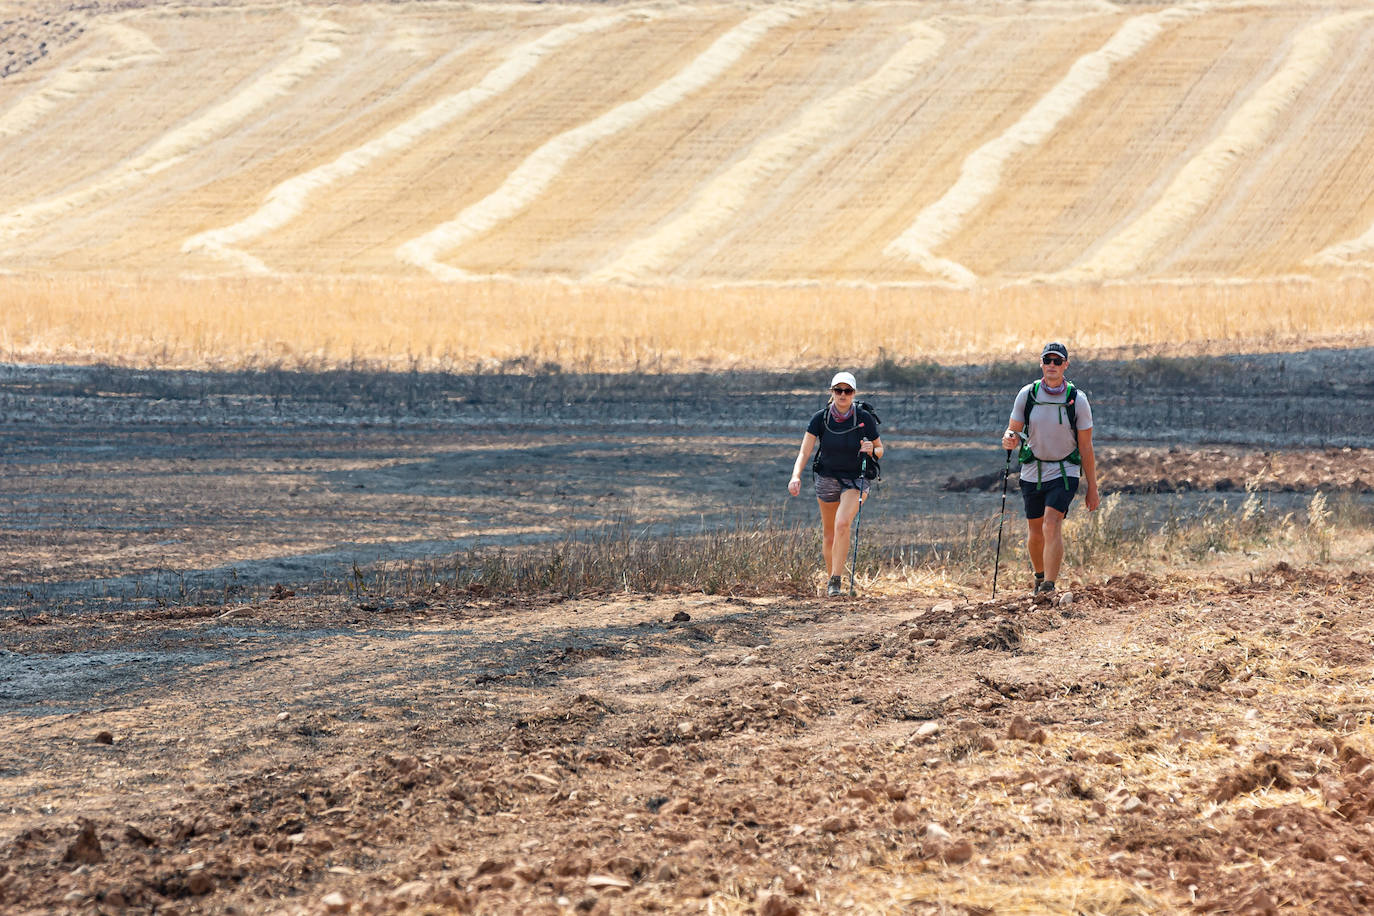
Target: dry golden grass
<point x="386" y="322"/>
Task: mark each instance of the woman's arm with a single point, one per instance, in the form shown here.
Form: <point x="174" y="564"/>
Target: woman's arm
<point x="803" y="454"/>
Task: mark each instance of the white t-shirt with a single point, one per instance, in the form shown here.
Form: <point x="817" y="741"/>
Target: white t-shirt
<point x="1051" y="437"/>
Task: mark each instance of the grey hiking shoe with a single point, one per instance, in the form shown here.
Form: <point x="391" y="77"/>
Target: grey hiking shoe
<point x="834" y="589"/>
<point x="1043" y="586"/>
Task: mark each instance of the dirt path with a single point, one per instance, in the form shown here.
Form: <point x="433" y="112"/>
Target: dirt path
<point x="1152" y="746"/>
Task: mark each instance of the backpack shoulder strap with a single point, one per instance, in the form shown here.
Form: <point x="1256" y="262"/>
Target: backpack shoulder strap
<point x="1071" y="407"/>
<point x="1030" y="402"/>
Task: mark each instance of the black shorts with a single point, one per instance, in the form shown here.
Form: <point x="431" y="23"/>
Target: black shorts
<point x="1057" y="494"/>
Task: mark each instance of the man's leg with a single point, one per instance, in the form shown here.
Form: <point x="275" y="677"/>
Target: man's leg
<point x="1035" y="544"/>
<point x="1052" y="543"/>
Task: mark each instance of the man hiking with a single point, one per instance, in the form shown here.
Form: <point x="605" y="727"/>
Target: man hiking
<point x="1052" y="426"/>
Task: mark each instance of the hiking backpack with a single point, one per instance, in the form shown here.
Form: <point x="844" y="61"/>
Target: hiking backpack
<point x="1069" y="407"/>
<point x="871" y="470"/>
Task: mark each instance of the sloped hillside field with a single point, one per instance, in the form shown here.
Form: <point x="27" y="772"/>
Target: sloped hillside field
<point x="688" y="142"/>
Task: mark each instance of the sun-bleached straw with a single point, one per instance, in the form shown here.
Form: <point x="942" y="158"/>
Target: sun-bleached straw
<point x="542" y="167"/>
<point x="1244" y="135"/>
<point x="317" y="49"/>
<point x="75" y="80"/>
<point x="982" y="170"/>
<point x="723" y="198"/>
<point x="287" y="200"/>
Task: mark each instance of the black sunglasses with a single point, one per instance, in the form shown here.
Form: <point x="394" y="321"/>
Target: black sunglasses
<point x="1052" y="360"/>
<point x="843" y="390"/>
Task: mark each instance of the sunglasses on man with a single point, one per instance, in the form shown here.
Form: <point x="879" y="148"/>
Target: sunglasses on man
<point x="1052" y="360"/>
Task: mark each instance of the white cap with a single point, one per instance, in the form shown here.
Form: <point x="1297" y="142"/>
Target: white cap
<point x="844" y="378"/>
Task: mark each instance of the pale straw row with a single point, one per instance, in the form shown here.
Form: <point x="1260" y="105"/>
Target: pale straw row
<point x="982" y="170"/>
<point x="73" y="81"/>
<point x="728" y="195"/>
<point x="287" y="200"/>
<point x="1244" y="135"/>
<point x="317" y="49"/>
<point x="544" y="166"/>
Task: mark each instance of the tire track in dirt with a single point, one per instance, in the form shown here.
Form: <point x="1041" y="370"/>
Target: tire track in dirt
<point x="289" y="199"/>
<point x="1243" y="135"/>
<point x="544" y="165"/>
<point x="135" y="48"/>
<point x="725" y="197"/>
<point x="982" y="170"/>
<point x="318" y="48"/>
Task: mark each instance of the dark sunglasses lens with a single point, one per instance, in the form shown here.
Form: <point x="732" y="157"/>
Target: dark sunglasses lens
<point x="843" y="390"/>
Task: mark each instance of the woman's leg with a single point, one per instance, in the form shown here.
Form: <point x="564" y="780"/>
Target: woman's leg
<point x="828" y="511"/>
<point x="848" y="507"/>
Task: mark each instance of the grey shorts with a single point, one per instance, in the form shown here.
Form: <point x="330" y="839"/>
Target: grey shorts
<point x="828" y="489"/>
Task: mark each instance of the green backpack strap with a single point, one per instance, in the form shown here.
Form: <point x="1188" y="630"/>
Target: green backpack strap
<point x="1071" y="408"/>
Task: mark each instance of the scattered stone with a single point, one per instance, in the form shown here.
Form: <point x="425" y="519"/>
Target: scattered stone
<point x="602" y="882"/>
<point x="104" y="738"/>
<point x="935" y="832"/>
<point x="903" y="814"/>
<point x="927" y="731"/>
<point x="676" y="806"/>
<point x="1066" y="599"/>
<point x="770" y="903"/>
<point x="681" y="617"/>
<point x="794" y="883"/>
<point x="1022" y="730"/>
<point x="958" y="853"/>
<point x="199" y="883"/>
<point x="85" y="849"/>
<point x="836" y="824"/>
<point x="336" y="903"/>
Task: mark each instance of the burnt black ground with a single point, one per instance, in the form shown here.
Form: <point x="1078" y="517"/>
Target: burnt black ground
<point x="146" y="487"/>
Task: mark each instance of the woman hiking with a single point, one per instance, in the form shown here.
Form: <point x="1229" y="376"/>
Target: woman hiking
<point x="845" y="433"/>
<point x="1055" y="439"/>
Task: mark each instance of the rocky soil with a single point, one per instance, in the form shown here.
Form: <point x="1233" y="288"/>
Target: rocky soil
<point x="1146" y="745"/>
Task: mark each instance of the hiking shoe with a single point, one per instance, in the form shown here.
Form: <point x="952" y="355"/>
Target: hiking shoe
<point x="1044" y="585"/>
<point x="834" y="590"/>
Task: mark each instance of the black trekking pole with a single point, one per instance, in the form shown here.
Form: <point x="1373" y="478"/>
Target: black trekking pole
<point x="1006" y="472"/>
<point x="863" y="495"/>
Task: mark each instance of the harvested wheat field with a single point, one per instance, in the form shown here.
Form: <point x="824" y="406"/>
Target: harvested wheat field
<point x="397" y="403"/>
<point x="201" y="184"/>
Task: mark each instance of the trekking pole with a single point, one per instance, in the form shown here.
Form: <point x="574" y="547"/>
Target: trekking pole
<point x="1006" y="472"/>
<point x="863" y="495"/>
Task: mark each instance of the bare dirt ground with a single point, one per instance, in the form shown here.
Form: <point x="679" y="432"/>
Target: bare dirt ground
<point x="1194" y="743"/>
<point x="1184" y="738"/>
